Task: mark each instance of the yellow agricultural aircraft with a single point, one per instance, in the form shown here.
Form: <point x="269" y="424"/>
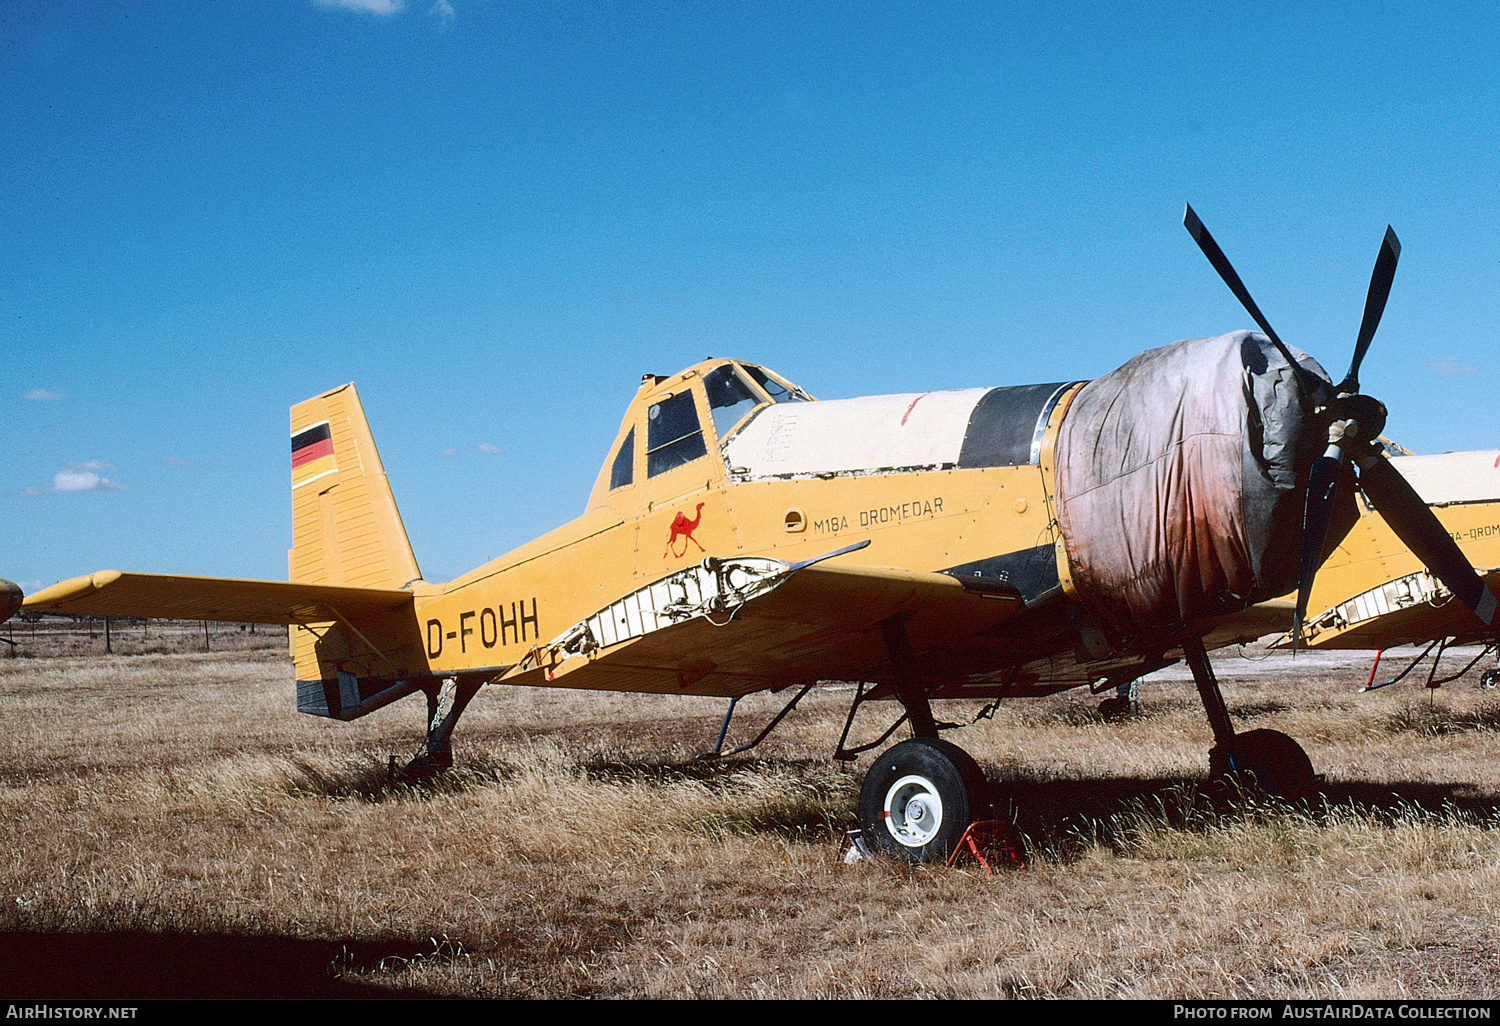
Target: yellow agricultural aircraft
<point x="1372" y="592"/>
<point x="983" y="543"/>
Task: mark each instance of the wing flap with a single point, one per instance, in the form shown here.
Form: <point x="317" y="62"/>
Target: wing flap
<point x="793" y="624"/>
<point x="169" y="596"/>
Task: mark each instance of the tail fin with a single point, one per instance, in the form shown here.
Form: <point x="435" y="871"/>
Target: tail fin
<point x="345" y="526"/>
<point x="347" y="531"/>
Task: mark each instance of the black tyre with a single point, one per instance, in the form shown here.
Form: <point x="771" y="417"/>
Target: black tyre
<point x="1489" y="680"/>
<point x="1271" y="763"/>
<point x="918" y="798"/>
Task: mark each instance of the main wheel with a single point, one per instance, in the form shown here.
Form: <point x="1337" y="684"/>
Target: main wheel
<point x="918" y="799"/>
<point x="1271" y="762"/>
<point x="1489" y="680"/>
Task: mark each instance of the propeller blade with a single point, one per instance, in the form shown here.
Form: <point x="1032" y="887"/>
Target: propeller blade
<point x="1398" y="502"/>
<point x="1322" y="486"/>
<point x="1380" y="290"/>
<point x="1220" y="262"/>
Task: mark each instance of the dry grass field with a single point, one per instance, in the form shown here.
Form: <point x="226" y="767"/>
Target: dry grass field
<point x="174" y="828"/>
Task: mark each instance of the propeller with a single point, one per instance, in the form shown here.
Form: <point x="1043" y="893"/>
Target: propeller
<point x="1312" y="385"/>
<point x="1380" y="291"/>
<point x="1354" y="423"/>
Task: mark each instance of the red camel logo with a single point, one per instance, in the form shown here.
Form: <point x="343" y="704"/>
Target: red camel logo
<point x="682" y="527"/>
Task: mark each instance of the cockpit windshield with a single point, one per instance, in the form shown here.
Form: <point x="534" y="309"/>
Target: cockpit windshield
<point x="729" y="397"/>
<point x="778" y="390"/>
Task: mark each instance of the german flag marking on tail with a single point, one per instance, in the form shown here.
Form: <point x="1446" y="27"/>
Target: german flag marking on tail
<point x="312" y="454"/>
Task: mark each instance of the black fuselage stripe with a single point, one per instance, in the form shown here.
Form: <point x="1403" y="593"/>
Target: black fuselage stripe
<point x="1003" y="424"/>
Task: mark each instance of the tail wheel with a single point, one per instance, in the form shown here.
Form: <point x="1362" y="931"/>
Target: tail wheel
<point x="918" y="799"/>
<point x="1271" y="762"/>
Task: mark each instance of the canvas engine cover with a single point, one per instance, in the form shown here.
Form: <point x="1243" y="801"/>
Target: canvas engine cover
<point x="1180" y="480"/>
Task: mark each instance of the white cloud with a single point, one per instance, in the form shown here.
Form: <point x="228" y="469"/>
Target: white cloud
<point x="81" y="477"/>
<point x="42" y="395"/>
<point x="450" y="451"/>
<point x="381" y="8"/>
<point x="81" y="481"/>
<point x="1448" y="367"/>
<point x="176" y="461"/>
<point x="488" y="449"/>
<point x="442" y="10"/>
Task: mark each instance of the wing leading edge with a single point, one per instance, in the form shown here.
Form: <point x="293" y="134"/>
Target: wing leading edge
<point x="1408" y="610"/>
<point x="730" y="627"/>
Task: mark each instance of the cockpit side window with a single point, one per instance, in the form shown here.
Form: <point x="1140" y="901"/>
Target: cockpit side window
<point x="673" y="435"/>
<point x="623" y="472"/>
<point x="729" y="398"/>
<point x="778" y="392"/>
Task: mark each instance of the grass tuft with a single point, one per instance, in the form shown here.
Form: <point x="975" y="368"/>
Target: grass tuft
<point x="1438" y="721"/>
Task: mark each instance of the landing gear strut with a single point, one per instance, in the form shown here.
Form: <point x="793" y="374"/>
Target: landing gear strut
<point x="445" y="704"/>
<point x="908" y="679"/>
<point x="1267" y="760"/>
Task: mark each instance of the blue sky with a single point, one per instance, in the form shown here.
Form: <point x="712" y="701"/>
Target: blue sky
<point x="494" y="217"/>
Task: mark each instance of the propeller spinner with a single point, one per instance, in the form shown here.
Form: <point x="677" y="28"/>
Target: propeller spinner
<point x="1355" y="422"/>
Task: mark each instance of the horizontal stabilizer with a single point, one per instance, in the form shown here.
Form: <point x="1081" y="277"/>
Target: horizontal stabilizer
<point x="168" y="596"/>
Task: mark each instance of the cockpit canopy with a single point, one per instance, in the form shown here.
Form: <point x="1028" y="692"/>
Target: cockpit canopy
<point x="675" y="421"/>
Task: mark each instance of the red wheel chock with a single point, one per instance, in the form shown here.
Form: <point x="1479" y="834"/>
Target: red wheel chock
<point x="995" y="838"/>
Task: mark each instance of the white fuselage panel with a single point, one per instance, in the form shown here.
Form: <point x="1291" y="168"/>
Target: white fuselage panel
<point x="1452" y="477"/>
<point x="852" y="436"/>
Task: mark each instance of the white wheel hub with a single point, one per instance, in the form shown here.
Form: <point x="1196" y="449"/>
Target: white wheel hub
<point x="913" y="811"/>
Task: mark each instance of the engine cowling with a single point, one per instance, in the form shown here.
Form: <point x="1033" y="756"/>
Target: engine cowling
<point x="1180" y="482"/>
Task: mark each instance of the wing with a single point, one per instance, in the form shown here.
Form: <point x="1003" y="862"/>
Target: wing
<point x="1413" y="609"/>
<point x="114" y="593"/>
<point x="730" y="627"/>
